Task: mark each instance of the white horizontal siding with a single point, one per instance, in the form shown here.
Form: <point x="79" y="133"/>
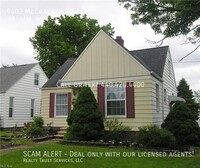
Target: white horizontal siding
<point x="169" y="82"/>
<point x="23" y="91"/>
<point x="170" y="85"/>
<point x="2" y="109"/>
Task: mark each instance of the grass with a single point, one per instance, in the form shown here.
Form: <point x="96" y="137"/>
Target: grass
<point x="5" y="134"/>
<point x="15" y="159"/>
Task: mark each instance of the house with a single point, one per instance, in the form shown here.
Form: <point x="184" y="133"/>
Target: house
<point x="20" y="94"/>
<point x="107" y="66"/>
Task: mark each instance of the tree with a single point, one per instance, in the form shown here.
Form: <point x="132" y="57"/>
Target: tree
<point x="85" y="120"/>
<point x="63" y="37"/>
<point x="197" y="96"/>
<point x="168" y="17"/>
<point x="185" y="92"/>
<point x="182" y="124"/>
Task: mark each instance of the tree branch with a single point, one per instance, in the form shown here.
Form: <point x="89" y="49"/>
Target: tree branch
<point x="156" y="42"/>
<point x="189" y="53"/>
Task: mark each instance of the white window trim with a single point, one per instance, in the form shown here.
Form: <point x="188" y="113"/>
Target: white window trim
<point x="60" y="116"/>
<point x="114" y="116"/>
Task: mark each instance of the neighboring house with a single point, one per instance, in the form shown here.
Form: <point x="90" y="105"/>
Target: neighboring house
<point x="20" y="94"/>
<point x="107" y="60"/>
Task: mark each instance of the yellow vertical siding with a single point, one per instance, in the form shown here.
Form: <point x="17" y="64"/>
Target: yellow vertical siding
<point x="104" y="59"/>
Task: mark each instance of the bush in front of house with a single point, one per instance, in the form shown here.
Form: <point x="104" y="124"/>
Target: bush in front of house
<point x="117" y="131"/>
<point x="153" y="136"/>
<point x="182" y="123"/>
<point x="85" y="120"/>
<point x="35" y="128"/>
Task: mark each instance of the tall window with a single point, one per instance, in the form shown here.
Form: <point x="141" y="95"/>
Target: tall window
<point x="115" y="101"/>
<point x="165" y="95"/>
<point x="61" y="104"/>
<point x="36" y="79"/>
<point x="32" y="107"/>
<point x="169" y="66"/>
<point x="157" y="98"/>
<point x="11" y="103"/>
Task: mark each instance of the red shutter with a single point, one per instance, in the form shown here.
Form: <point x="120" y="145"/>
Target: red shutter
<point x="69" y="102"/>
<point x="130" y="102"/>
<point x="51" y="105"/>
<point x="101" y="98"/>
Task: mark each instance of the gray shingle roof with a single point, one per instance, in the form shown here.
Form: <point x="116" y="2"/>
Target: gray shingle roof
<point x="153" y="59"/>
<point x="59" y="73"/>
<point x="10" y="75"/>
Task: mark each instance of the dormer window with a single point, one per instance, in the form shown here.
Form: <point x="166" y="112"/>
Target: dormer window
<point x="36" y="79"/>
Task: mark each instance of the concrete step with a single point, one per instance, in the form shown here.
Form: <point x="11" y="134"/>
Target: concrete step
<point x="61" y="132"/>
<point x="59" y="136"/>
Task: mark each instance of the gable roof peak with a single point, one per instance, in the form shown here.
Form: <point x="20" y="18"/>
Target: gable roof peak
<point x="10" y="75"/>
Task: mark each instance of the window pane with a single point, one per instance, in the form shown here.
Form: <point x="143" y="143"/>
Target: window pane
<point x="61" y="99"/>
<point x="61" y="104"/>
<point x="36" y="79"/>
<point x="115" y="92"/>
<point x="61" y="110"/>
<point x="116" y="107"/>
<point x="11" y="102"/>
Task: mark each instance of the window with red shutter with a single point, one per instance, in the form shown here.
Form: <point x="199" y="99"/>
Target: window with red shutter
<point x="117" y="101"/>
<point x="59" y="104"/>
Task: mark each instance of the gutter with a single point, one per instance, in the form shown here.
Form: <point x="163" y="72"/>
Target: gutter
<point x="156" y="76"/>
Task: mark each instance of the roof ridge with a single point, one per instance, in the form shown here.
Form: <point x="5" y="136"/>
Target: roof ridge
<point x="149" y="48"/>
<point x="13" y="66"/>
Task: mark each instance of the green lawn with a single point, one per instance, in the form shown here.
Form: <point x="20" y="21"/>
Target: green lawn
<point x="5" y="134"/>
<point x="15" y="159"/>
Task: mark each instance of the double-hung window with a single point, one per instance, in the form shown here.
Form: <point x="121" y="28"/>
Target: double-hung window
<point x="32" y="107"/>
<point x="116" y="101"/>
<point x="61" y="105"/>
<point x="36" y="79"/>
<point x="11" y="104"/>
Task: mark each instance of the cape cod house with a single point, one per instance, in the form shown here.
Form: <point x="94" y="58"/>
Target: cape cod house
<point x="147" y="75"/>
<point x="20" y="94"/>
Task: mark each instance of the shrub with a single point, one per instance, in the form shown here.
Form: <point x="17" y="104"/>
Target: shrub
<point x="182" y="123"/>
<point x="153" y="136"/>
<point x="116" y="130"/>
<point x="36" y="127"/>
<point x="21" y="141"/>
<point x="85" y="120"/>
<point x="115" y="125"/>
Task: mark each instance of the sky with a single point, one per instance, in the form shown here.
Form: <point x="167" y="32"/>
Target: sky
<point x="19" y="21"/>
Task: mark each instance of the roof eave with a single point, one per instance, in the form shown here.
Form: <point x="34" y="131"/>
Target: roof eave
<point x="156" y="76"/>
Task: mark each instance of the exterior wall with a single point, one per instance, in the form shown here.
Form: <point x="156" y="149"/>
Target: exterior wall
<point x="143" y="106"/>
<point x="169" y="84"/>
<point x="104" y="58"/>
<point x="2" y="109"/>
<point x="23" y="91"/>
<point x="56" y="121"/>
<point x="157" y="114"/>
